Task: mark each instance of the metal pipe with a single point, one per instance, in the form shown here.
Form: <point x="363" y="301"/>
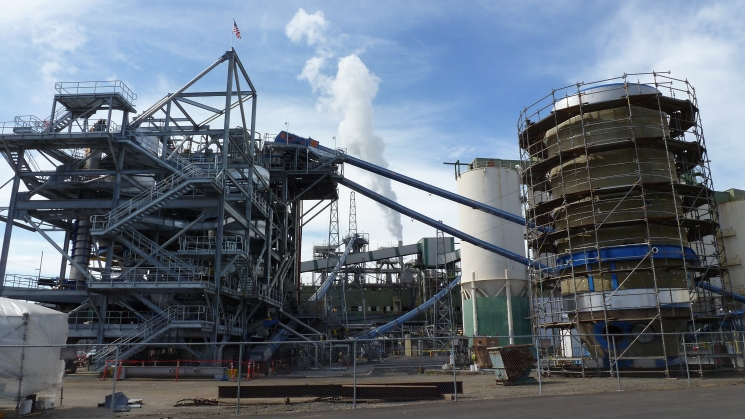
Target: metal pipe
<point x="510" y="324"/>
<point x="291" y="317"/>
<point x="288" y="329"/>
<point x="438" y="225"/>
<point x="427" y="187"/>
<point x="718" y="290"/>
<point x="330" y="279"/>
<point x="408" y="316"/>
<point x="83" y="305"/>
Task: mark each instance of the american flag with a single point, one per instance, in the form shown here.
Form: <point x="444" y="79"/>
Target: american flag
<point x="236" y="31"/>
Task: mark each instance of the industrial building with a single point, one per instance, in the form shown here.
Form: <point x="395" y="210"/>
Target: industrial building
<point x="183" y="224"/>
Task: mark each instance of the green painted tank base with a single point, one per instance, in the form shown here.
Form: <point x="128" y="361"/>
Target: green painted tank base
<point x="491" y="314"/>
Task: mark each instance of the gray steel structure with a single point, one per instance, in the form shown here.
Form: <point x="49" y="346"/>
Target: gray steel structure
<point x="179" y="224"/>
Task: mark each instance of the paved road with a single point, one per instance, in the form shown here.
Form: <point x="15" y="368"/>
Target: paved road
<point x="698" y="403"/>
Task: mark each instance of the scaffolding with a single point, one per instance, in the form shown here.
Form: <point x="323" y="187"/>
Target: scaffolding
<point x="621" y="215"/>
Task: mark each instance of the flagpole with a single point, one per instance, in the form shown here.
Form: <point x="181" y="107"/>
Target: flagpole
<point x="231" y="35"/>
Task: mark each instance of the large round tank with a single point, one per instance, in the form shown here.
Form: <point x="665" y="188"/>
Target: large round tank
<point x="625" y="212"/>
<point x="492" y="286"/>
<point x="731" y="205"/>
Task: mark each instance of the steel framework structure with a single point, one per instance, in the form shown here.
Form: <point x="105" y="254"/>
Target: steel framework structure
<point x="179" y="224"/>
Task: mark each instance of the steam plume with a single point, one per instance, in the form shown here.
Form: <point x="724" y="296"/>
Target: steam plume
<point x="350" y="92"/>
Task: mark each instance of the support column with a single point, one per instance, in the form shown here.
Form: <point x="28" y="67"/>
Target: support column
<point x="63" y="261"/>
<point x="9" y="221"/>
<point x="114" y="204"/>
<point x="221" y="205"/>
<point x="268" y="244"/>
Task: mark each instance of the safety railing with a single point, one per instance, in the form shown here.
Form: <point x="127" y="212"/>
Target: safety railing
<point x="156" y="275"/>
<point x="31" y="124"/>
<point x="30" y="281"/>
<point x="96" y="87"/>
<point x="208" y="244"/>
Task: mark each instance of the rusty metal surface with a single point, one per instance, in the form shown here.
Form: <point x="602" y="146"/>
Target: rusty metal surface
<point x="381" y="391"/>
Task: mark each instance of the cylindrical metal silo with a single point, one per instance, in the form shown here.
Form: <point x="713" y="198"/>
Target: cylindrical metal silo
<point x="626" y="207"/>
<point x="731" y="205"/>
<point x="493" y="288"/>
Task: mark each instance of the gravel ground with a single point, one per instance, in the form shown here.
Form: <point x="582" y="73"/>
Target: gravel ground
<point x="83" y="393"/>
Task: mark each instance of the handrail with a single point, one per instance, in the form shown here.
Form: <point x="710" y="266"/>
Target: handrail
<point x="95" y="87"/>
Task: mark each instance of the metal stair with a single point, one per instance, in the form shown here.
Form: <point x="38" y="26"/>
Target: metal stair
<point x="28" y="164"/>
<point x="152" y="248"/>
<point x="153" y="198"/>
<point x="141" y="205"/>
<point x="62" y="120"/>
<point x="144" y="333"/>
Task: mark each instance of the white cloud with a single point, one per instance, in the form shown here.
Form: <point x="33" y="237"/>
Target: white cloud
<point x="59" y="36"/>
<point x="312" y="27"/>
<point x="703" y="45"/>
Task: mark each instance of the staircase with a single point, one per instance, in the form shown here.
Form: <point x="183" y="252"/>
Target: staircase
<point x="153" y="198"/>
<point x="144" y="333"/>
<point x="28" y="164"/>
<point x="172" y="265"/>
<point x="62" y="120"/>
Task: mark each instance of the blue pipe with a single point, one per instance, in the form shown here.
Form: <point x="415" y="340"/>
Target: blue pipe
<point x="713" y="288"/>
<point x="410" y="315"/>
<point x="438" y="225"/>
<point x="330" y="279"/>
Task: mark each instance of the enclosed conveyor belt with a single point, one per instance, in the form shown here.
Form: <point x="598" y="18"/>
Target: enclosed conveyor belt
<point x="354" y="258"/>
<point x="370" y="256"/>
<point x="438" y="225"/>
<point x="410" y="315"/>
<point x="327" y="283"/>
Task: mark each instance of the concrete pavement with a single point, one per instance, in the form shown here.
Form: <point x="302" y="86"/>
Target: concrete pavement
<point x="698" y="403"/>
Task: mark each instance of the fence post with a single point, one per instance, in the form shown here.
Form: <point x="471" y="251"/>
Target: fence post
<point x="419" y="345"/>
<point x="238" y="393"/>
<point x="742" y="349"/>
<point x="455" y="377"/>
<point x="538" y="364"/>
<point x="685" y="358"/>
<point x="615" y="356"/>
<point x="354" y="375"/>
<point x="114" y="377"/>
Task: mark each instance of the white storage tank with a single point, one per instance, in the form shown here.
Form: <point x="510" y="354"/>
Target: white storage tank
<point x="731" y="207"/>
<point x="493" y="288"/>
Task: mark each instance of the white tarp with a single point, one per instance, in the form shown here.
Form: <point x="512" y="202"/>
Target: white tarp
<point x="34" y="368"/>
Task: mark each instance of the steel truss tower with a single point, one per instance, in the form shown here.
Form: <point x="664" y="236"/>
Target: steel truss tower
<point x="179" y="224"/>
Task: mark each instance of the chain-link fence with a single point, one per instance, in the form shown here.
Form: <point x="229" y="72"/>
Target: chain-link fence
<point x="253" y="378"/>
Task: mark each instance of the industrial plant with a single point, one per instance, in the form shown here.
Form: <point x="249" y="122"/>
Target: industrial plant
<point x="183" y="224"/>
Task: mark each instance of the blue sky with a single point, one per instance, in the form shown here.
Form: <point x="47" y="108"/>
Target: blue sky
<point x="451" y="77"/>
